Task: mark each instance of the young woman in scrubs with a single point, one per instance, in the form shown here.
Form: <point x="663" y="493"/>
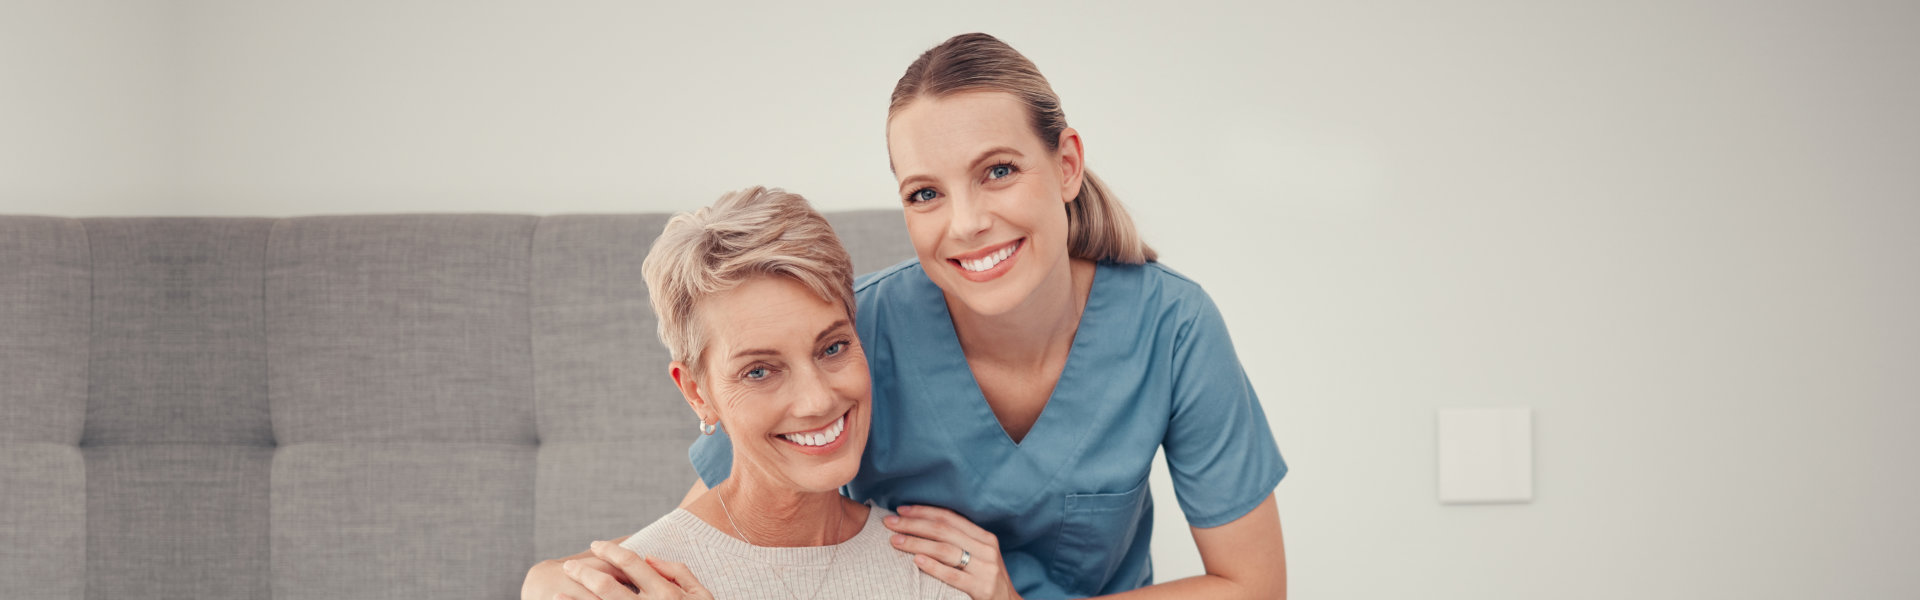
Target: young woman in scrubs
<point x="1030" y="362"/>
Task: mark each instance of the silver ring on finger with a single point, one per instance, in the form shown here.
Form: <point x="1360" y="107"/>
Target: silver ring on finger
<point x="965" y="557"/>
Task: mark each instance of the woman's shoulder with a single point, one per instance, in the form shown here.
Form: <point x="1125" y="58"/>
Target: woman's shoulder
<point x="901" y="276"/>
<point x="899" y="295"/>
<point x="666" y="537"/>
<point x="867" y="562"/>
<point x="1156" y="290"/>
<point x="891" y="570"/>
<point x="1153" y="276"/>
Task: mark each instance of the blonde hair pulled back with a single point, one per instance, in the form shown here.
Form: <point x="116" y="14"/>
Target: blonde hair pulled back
<point x="1098" y="227"/>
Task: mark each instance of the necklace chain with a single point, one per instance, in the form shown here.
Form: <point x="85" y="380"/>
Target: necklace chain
<point x="832" y="555"/>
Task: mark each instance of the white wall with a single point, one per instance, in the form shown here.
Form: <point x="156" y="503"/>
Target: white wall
<point x="1684" y="233"/>
<point x="88" y="98"/>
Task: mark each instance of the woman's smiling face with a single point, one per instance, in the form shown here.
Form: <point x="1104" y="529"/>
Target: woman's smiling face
<point x="984" y="196"/>
<point x="785" y="374"/>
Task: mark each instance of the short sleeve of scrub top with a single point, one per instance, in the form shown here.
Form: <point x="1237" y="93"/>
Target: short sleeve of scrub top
<point x="1151" y="367"/>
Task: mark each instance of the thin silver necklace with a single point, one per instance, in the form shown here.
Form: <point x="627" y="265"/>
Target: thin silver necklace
<point x="832" y="555"/>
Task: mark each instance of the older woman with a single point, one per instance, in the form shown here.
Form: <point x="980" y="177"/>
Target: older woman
<point x="755" y="300"/>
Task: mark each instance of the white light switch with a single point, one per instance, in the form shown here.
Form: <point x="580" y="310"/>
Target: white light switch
<point x="1486" y="455"/>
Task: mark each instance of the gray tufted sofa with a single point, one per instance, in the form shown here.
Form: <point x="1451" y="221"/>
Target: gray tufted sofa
<point x="394" y="406"/>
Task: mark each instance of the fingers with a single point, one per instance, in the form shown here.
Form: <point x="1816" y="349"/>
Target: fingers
<point x="603" y="567"/>
<point x="939" y="537"/>
<point x="942" y="552"/>
<point x="941" y="530"/>
<point x="601" y="584"/>
<point x="548" y="580"/>
<point x="680" y="575"/>
<point x="954" y="578"/>
<point x="940" y="560"/>
<point x="951" y="519"/>
<point x="638" y="572"/>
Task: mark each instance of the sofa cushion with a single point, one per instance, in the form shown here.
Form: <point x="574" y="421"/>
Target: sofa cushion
<point x="45" y="289"/>
<point x="408" y="328"/>
<point x="178" y="351"/>
<point x="44" y="295"/>
<point x="178" y="440"/>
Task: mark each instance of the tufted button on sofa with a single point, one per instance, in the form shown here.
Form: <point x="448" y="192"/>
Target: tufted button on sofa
<point x="388" y="406"/>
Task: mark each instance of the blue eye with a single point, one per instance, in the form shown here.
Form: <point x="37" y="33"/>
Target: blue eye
<point x="835" y="349"/>
<point x="999" y="171"/>
<point x="756" y="373"/>
<point x="922" y="195"/>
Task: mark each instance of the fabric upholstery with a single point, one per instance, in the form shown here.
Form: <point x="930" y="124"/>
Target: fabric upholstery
<point x="178" y="439"/>
<point x="875" y="238"/>
<point x="178" y="332"/>
<point x="43" y="510"/>
<point x="177" y="521"/>
<point x="399" y="329"/>
<point x="402" y="520"/>
<point x="44" y="295"/>
<point x="400" y="378"/>
<point x="611" y="422"/>
<point x="384" y="406"/>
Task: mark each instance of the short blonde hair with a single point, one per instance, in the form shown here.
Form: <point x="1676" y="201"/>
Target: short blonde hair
<point x="745" y="234"/>
<point x="1098" y="227"/>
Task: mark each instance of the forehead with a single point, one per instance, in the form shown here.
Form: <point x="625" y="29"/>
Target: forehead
<point x="932" y="132"/>
<point x="766" y="312"/>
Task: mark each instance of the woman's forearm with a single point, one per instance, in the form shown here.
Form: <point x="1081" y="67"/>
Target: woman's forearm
<point x="1205" y="586"/>
<point x="1244" y="559"/>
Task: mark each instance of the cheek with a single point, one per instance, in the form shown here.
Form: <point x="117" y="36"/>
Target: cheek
<point x="923" y="229"/>
<point x="852" y="383"/>
<point x="737" y="417"/>
<point x="1045" y="213"/>
<point x="854" y="386"/>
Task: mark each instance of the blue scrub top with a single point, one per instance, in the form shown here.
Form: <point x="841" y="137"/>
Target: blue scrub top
<point x="1151" y="366"/>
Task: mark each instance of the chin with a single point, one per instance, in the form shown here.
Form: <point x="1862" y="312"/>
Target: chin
<point x="997" y="301"/>
<point x="831" y="477"/>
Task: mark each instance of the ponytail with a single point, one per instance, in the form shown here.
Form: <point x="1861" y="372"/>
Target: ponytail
<point x="1099" y="229"/>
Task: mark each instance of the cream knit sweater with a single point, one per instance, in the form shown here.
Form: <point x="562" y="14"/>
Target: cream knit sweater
<point x="866" y="566"/>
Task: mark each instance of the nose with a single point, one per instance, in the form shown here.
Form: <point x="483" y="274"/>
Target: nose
<point x="812" y="393"/>
<point x="969" y="218"/>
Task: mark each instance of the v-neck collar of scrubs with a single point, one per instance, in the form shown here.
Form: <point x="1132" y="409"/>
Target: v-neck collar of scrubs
<point x="997" y="460"/>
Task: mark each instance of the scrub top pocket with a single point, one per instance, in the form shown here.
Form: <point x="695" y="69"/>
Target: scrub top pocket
<point x="1094" y="536"/>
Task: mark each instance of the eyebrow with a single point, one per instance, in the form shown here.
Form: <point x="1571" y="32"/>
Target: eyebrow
<point x="830" y="330"/>
<point x="982" y="158"/>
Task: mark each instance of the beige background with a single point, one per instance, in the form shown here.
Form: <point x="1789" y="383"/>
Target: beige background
<point x="1684" y="233"/>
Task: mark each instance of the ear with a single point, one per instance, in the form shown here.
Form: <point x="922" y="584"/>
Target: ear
<point x="690" y="390"/>
<point x="1073" y="163"/>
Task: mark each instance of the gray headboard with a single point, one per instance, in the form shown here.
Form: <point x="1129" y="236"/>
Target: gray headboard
<point x="384" y="406"/>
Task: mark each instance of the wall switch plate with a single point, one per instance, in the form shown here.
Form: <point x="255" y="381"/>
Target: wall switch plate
<point x="1486" y="455"/>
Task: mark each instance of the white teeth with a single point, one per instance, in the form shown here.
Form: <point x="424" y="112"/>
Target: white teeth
<point x="826" y="436"/>
<point x="989" y="261"/>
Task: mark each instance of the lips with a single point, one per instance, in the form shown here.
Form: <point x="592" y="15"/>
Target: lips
<point x="988" y="263"/>
<point x="818" y="437"/>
